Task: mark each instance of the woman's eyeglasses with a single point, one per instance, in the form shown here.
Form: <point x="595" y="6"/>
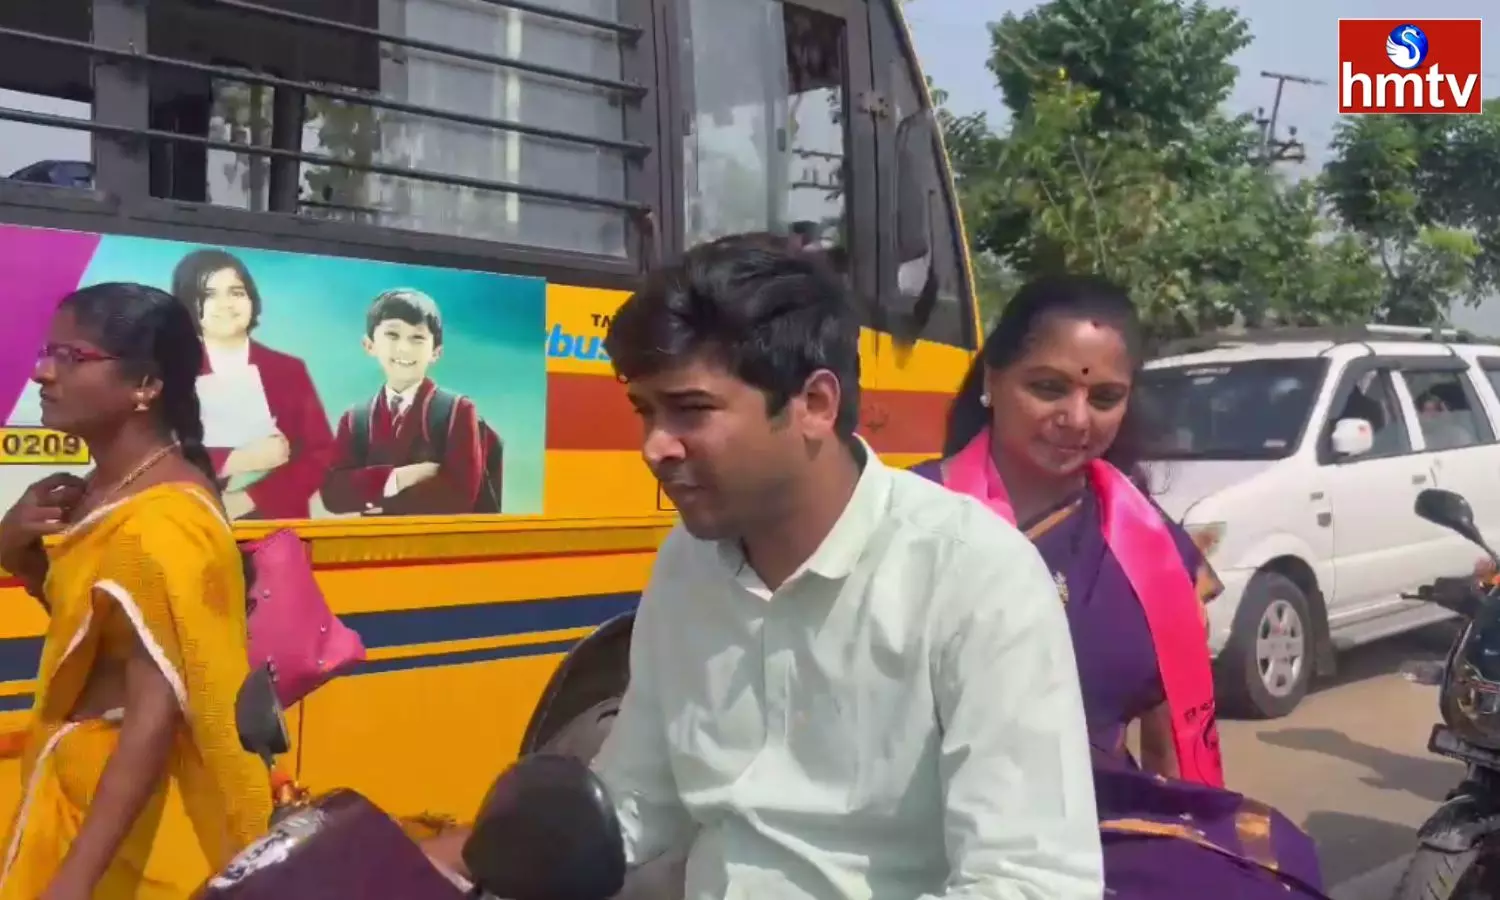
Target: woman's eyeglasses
<point x="69" y="355"/>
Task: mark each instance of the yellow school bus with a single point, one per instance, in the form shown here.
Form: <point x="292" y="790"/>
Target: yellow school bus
<point x="509" y="168"/>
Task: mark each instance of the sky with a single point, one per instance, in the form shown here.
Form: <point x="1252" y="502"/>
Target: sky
<point x="1294" y="37"/>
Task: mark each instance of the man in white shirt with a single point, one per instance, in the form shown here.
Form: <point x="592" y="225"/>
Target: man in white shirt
<point x="846" y="681"/>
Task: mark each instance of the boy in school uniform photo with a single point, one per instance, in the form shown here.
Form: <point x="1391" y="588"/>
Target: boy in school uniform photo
<point x="414" y="448"/>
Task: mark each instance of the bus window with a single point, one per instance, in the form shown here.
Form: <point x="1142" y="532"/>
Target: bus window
<point x="765" y="97"/>
<point x="521" y="124"/>
<point x="951" y="318"/>
<point x="36" y="80"/>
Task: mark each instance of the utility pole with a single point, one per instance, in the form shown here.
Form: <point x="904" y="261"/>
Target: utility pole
<point x="1273" y="149"/>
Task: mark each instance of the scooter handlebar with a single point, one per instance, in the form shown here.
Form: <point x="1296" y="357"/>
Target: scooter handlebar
<point x="1461" y="595"/>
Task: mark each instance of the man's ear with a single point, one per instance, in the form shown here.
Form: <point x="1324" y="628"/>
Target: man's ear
<point x="821" y="396"/>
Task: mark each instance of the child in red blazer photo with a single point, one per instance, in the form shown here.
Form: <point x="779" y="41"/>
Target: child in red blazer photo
<point x="413" y="448"/>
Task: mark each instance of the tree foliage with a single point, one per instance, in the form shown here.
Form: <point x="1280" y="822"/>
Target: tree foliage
<point x="1157" y="66"/>
<point x="1423" y="193"/>
<point x="1118" y="159"/>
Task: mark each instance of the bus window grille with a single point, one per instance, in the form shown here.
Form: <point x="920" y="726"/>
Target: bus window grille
<point x="623" y="94"/>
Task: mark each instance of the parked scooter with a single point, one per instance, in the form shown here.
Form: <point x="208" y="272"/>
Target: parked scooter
<point x="1458" y="851"/>
<point x="545" y="831"/>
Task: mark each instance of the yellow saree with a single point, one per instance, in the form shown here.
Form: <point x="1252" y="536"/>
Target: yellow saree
<point x="161" y="565"/>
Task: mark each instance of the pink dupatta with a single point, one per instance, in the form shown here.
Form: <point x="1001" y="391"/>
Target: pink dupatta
<point x="1138" y="537"/>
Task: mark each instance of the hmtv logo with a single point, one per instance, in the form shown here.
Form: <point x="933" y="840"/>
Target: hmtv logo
<point x="1410" y="66"/>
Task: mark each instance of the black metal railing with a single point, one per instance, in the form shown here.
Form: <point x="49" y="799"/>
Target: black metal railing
<point x="151" y="134"/>
<point x="630" y="148"/>
<point x="626" y="32"/>
<point x="630" y="92"/>
<point x="628" y="89"/>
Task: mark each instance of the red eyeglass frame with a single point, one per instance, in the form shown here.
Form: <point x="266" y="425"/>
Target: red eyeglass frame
<point x="72" y="354"/>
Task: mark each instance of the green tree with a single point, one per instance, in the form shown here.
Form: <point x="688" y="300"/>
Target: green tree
<point x="346" y="131"/>
<point x="1118" y="159"/>
<point x="1196" y="253"/>
<point x="343" y="130"/>
<point x="1423" y="193"/>
<point x="1161" y="67"/>
<point x="241" y="114"/>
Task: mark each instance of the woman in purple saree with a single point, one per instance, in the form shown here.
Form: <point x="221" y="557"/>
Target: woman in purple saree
<point x="1041" y="432"/>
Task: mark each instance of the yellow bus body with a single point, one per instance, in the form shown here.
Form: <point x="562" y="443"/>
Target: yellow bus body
<point x="467" y="618"/>
<point x="437" y="710"/>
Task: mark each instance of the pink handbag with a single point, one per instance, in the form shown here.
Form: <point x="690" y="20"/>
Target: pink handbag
<point x="291" y="627"/>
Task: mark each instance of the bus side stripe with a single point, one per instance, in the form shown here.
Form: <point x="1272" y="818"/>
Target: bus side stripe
<point x="592" y="412"/>
<point x="398" y="628"/>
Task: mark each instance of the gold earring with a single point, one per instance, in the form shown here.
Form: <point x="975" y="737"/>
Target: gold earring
<point x="140" y="404"/>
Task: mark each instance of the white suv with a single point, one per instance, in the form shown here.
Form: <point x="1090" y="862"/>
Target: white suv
<point x="1295" y="456"/>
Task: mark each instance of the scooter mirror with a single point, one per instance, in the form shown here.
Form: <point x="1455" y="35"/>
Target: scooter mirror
<point x="258" y="717"/>
<point x="547" y="831"/>
<point x="1449" y="510"/>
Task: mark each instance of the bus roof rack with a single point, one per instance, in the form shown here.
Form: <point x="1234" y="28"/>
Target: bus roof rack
<point x="1331" y="334"/>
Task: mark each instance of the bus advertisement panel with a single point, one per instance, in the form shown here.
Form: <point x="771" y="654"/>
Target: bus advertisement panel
<point x="331" y="387"/>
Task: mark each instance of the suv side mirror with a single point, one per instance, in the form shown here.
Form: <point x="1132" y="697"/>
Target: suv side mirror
<point x="1352" y="437"/>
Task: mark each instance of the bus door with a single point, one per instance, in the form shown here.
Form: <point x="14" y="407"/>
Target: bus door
<point x="925" y="318"/>
<point x="773" y="136"/>
<point x="922" y="267"/>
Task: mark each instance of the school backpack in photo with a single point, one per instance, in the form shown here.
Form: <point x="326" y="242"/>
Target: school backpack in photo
<point x="292" y="629"/>
<point x="436" y="425"/>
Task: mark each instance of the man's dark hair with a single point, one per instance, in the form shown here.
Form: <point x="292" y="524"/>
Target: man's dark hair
<point x="770" y="315"/>
<point x="405" y="305"/>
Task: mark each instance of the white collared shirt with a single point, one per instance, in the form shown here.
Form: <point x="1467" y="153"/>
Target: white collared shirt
<point x="221" y="359"/>
<point x="405" y="398"/>
<point x="900" y="720"/>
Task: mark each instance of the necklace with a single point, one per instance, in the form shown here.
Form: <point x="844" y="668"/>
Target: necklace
<point x="141" y="469"/>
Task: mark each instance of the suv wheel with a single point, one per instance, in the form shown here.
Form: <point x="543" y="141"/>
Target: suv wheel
<point x="1264" y="671"/>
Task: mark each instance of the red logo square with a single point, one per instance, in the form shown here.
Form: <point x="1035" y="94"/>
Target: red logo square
<point x="1432" y="66"/>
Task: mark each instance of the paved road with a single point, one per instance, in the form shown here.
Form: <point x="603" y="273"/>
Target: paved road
<point x="1351" y="766"/>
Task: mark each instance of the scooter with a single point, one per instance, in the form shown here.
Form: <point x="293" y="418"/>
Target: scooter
<point x="1458" y="847"/>
<point x="545" y="831"/>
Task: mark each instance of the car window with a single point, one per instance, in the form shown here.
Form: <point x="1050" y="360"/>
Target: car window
<point x="1494" y="378"/>
<point x="1242" y="410"/>
<point x="1445" y="410"/>
<point x="1373" y="398"/>
<point x="36" y="172"/>
<point x="75" y="174"/>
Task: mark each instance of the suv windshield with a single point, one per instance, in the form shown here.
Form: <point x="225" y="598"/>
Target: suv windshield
<point x="1244" y="410"/>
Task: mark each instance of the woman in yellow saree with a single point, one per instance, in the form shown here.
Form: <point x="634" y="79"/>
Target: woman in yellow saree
<point x="134" y="784"/>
